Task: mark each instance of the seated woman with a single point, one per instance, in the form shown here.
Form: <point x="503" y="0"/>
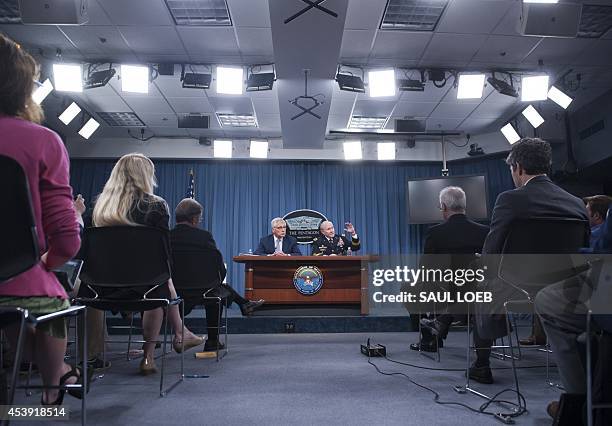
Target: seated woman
<point x="127" y="199"/>
<point x="44" y="159"/>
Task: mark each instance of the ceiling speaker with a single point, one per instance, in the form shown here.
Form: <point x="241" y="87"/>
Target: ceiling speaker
<point x="54" y="12"/>
<point x="550" y="20"/>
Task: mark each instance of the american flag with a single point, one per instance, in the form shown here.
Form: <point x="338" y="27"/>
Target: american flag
<point x="191" y="186"/>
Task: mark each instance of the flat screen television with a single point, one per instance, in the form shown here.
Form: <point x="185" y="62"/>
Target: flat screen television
<point x="424" y="204"/>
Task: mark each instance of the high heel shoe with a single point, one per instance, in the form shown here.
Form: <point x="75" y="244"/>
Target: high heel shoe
<point x="187" y="344"/>
<point x="147" y="366"/>
<point x="58" y="401"/>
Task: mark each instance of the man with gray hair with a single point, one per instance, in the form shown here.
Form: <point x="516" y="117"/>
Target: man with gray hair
<point x="457" y="237"/>
<point x="278" y="243"/>
<point x="330" y="244"/>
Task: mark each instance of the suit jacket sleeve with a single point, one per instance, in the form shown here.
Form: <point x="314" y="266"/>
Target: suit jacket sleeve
<point x="429" y="246"/>
<point x="261" y="249"/>
<point x="209" y="241"/>
<point x="504" y="212"/>
<point x="354" y="243"/>
<point x="294" y="249"/>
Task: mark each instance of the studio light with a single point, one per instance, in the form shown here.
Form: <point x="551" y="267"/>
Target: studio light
<point x="135" y="78"/>
<point x="502" y="87"/>
<point x="381" y="83"/>
<point x="69" y="113"/>
<point x="222" y="149"/>
<point x="42" y="91"/>
<point x="229" y="80"/>
<point x="533" y="116"/>
<point x="534" y="88"/>
<point x="470" y="86"/>
<point x="350" y="83"/>
<point x="193" y="80"/>
<point x="352" y="150"/>
<point x="409" y="85"/>
<point x="263" y="80"/>
<point x="558" y="97"/>
<point x="386" y="150"/>
<point x="89" y="128"/>
<point x="99" y="78"/>
<point x="511" y="135"/>
<point x="259" y="149"/>
<point x="68" y="78"/>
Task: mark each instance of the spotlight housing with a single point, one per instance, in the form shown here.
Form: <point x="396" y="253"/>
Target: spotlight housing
<point x="381" y="83"/>
<point x="68" y="78"/>
<point x="534" y="88"/>
<point x="350" y="83"/>
<point x="470" y="86"/>
<point x="352" y="150"/>
<point x="193" y="80"/>
<point x="558" y="97"/>
<point x="135" y="78"/>
<point x="89" y="128"/>
<point x="222" y="148"/>
<point x="69" y="113"/>
<point x="533" y="116"/>
<point x="409" y="85"/>
<point x="229" y="80"/>
<point x="99" y="78"/>
<point x="260" y="81"/>
<point x="502" y="87"/>
<point x="42" y="91"/>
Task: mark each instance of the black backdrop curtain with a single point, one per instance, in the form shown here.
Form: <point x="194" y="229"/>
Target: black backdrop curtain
<point x="240" y="197"/>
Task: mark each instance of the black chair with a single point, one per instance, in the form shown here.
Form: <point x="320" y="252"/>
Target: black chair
<point x="17" y="257"/>
<point x="118" y="258"/>
<point x="537" y="252"/>
<point x="196" y="276"/>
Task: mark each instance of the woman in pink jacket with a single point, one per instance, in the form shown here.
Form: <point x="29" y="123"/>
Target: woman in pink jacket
<point x="43" y="157"/>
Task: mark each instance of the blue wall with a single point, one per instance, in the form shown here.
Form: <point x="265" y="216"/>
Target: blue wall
<point x="240" y="197"/>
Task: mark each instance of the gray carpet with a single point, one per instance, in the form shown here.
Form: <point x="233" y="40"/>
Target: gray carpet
<point x="305" y="379"/>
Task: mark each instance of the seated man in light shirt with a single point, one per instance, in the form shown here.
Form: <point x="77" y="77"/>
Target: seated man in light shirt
<point x="278" y="243"/>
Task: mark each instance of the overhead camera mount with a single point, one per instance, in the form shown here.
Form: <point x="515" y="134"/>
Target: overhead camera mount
<point x="316" y="102"/>
<point x="316" y="4"/>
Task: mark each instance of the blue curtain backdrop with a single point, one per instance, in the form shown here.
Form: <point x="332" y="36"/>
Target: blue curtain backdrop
<point x="241" y="197"/>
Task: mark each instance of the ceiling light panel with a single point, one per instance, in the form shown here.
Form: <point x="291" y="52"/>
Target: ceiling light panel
<point x="68" y="115"/>
<point x="68" y="77"/>
<point x="360" y="122"/>
<point x="558" y="97"/>
<point x="229" y="80"/>
<point x="352" y="150"/>
<point x="121" y="119"/>
<point x="511" y="135"/>
<point x="237" y="120"/>
<point x="386" y="150"/>
<point x="89" y="128"/>
<point x="413" y="15"/>
<point x="534" y="88"/>
<point x="258" y="149"/>
<point x="135" y="78"/>
<point x="42" y="91"/>
<point x="200" y="12"/>
<point x="533" y="116"/>
<point x="470" y="86"/>
<point x="381" y="83"/>
<point x="222" y="149"/>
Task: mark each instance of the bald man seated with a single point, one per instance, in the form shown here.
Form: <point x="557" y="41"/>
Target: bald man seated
<point x="330" y="244"/>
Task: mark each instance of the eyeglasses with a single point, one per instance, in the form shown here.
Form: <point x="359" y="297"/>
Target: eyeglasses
<point x="280" y="227"/>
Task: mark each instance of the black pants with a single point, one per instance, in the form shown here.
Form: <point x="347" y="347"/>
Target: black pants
<point x="483" y="348"/>
<point x="193" y="298"/>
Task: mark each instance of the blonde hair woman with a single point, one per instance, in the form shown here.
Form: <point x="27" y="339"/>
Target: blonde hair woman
<point x="128" y="199"/>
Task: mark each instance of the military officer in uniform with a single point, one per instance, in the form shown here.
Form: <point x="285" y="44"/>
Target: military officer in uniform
<point x="330" y="244"/>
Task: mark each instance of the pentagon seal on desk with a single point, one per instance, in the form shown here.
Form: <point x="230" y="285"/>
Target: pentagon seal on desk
<point x="308" y="280"/>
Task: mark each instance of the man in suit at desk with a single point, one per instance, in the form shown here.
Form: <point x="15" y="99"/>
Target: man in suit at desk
<point x="330" y="244"/>
<point x="278" y="243"/>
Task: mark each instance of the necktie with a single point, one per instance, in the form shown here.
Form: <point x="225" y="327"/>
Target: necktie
<point x="278" y="245"/>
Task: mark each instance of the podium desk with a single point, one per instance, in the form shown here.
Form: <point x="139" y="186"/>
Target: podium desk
<point x="345" y="279"/>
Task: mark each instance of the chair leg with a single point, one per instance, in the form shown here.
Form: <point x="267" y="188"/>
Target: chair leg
<point x="512" y="358"/>
<point x="17" y="362"/>
<point x="163" y="357"/>
<point x="589" y="396"/>
<point x="129" y="348"/>
<point x="84" y="358"/>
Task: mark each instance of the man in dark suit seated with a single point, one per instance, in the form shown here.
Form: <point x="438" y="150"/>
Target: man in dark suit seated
<point x="278" y="243"/>
<point x="597" y="208"/>
<point x="535" y="196"/>
<point x="330" y="244"/>
<point x="458" y="237"/>
<point x="188" y="237"/>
